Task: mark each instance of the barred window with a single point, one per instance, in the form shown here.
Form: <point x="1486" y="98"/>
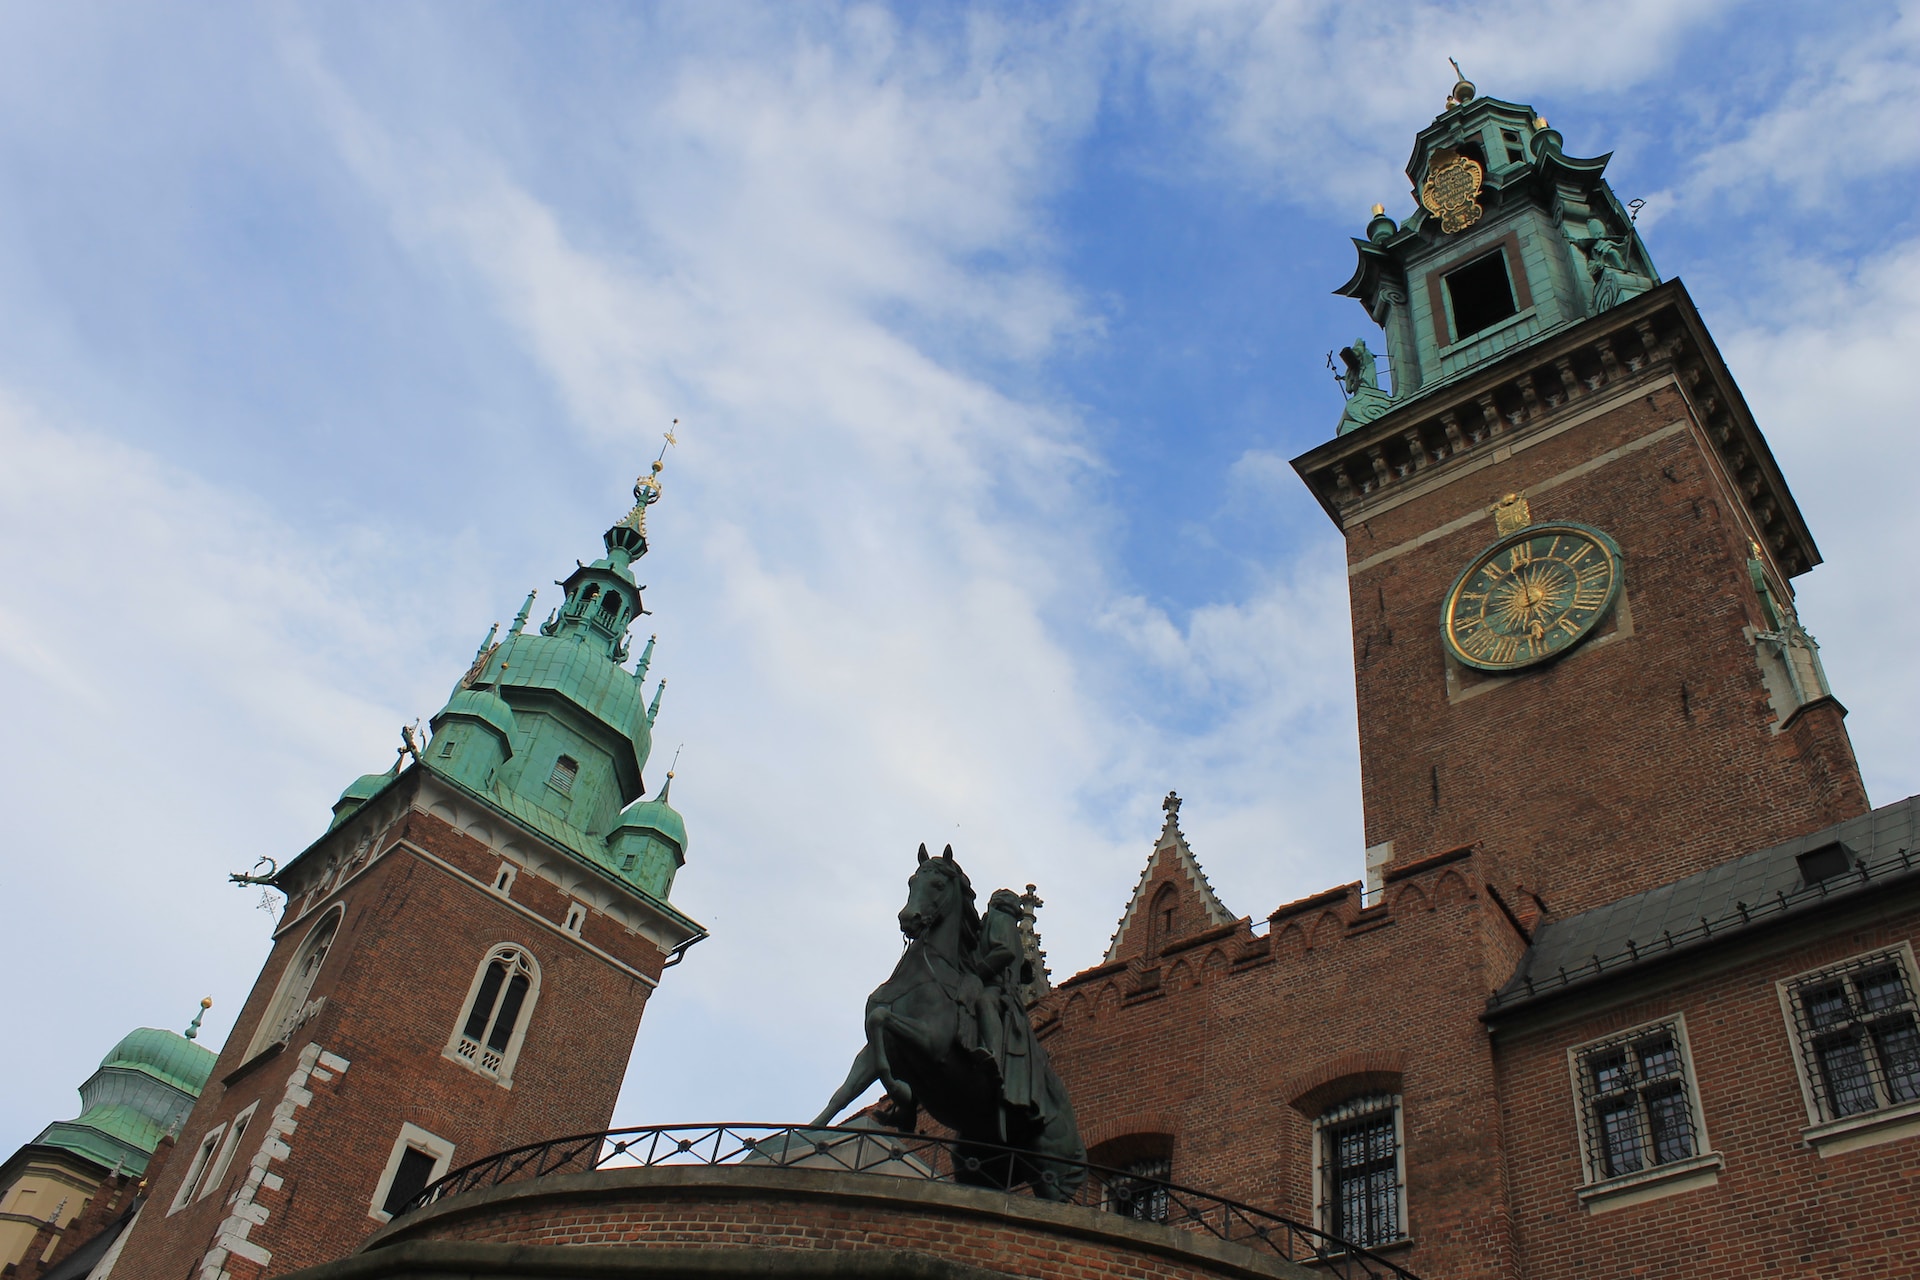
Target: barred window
<point x="1142" y="1194"/>
<point x="1854" y="1025"/>
<point x="1637" y="1105"/>
<point x="1361" y="1195"/>
<point x="499" y="1003"/>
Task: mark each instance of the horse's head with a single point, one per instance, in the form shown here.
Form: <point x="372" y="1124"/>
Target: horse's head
<point x="937" y="890"/>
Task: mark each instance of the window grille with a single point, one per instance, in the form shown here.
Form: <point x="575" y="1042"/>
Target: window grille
<point x="1361" y="1193"/>
<point x="564" y="771"/>
<point x="494" y="1016"/>
<point x="1855" y="1029"/>
<point x="1142" y="1195"/>
<point x="1636" y="1102"/>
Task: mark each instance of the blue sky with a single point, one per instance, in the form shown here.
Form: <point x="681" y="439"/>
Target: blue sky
<point x="331" y="330"/>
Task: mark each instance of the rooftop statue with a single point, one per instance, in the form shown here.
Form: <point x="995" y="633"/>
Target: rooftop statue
<point x="1614" y="281"/>
<point x="1365" y="400"/>
<point x="948" y="1032"/>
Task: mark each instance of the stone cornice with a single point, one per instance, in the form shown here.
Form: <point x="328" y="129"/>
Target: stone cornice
<point x="1656" y="336"/>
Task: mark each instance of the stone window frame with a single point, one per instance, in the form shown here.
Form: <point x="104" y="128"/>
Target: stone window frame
<point x="289" y="1007"/>
<point x="474" y="1055"/>
<point x="183" y="1196"/>
<point x="412" y="1137"/>
<point x="1353" y="1107"/>
<point x="1601" y="1192"/>
<point x="575" y="919"/>
<point x="1832" y="1134"/>
<point x="503" y="879"/>
<point x="215" y="1172"/>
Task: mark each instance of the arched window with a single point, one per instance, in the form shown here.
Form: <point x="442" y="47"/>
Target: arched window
<point x="499" y="1004"/>
<point x="289" y="1007"/>
<point x="565" y="769"/>
<point x="1165" y="906"/>
<point x="610" y="605"/>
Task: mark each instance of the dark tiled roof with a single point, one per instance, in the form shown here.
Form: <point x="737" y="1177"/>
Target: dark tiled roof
<point x="1747" y="893"/>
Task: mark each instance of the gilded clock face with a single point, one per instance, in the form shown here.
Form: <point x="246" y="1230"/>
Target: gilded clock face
<point x="1531" y="596"/>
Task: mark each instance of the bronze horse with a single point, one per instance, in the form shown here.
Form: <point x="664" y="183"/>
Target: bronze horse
<point x="923" y="1048"/>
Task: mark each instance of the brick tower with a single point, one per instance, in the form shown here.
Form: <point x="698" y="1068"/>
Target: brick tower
<point x="463" y="959"/>
<point x="1568" y="546"/>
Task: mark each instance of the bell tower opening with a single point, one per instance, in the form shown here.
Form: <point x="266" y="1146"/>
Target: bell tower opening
<point x="1480" y="294"/>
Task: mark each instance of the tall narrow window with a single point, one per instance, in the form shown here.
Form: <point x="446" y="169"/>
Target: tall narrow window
<point x="202" y="1156"/>
<point x="1855" y="1027"/>
<point x="217" y="1170"/>
<point x="501" y="999"/>
<point x="1481" y="294"/>
<point x="289" y="1008"/>
<point x="564" y="771"/>
<point x="1362" y="1186"/>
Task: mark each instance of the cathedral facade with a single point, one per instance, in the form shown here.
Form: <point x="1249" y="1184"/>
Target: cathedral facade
<point x="1627" y="987"/>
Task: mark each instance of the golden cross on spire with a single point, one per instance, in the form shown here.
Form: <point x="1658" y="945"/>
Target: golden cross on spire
<point x="646" y="490"/>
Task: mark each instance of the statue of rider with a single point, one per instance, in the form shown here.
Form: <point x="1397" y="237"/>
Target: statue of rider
<point x="1005" y="1035"/>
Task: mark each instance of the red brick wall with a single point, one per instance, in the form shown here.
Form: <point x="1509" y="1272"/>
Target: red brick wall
<point x="812" y="1210"/>
<point x="1628" y="763"/>
<point x="1779" y="1207"/>
<point x="1232" y="1043"/>
<point x="394" y="985"/>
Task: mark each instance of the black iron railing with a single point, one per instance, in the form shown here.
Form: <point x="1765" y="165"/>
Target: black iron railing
<point x="883" y="1152"/>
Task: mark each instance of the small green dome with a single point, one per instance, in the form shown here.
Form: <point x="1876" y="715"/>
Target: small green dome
<point x="358" y="792"/>
<point x="166" y="1054"/>
<point x="482" y="704"/>
<point x="657" y="816"/>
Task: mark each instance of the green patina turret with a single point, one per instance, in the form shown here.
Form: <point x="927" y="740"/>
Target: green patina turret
<point x="143" y="1090"/>
<point x="1511" y="238"/>
<point x="549" y="726"/>
<point x="650" y="844"/>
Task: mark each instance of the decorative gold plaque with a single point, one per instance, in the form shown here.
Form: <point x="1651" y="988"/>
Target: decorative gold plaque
<point x="1511" y="513"/>
<point x="1452" y="189"/>
<point x="1531" y="596"/>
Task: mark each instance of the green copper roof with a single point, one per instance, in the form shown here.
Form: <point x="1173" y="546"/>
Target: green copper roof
<point x="656" y="815"/>
<point x="144" y="1088"/>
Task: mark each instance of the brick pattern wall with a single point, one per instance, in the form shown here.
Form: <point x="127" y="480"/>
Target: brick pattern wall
<point x="393" y="989"/>
<point x="1779" y="1207"/>
<point x="1233" y="1043"/>
<point x="1576" y="775"/>
<point x="778" y="1215"/>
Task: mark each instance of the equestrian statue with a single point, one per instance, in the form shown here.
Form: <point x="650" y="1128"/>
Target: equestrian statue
<point x="948" y="1032"/>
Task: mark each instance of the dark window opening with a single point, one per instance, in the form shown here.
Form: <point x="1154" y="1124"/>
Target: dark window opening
<point x="1481" y="294"/>
<point x="509" y="1013"/>
<point x="587" y="596"/>
<point x="1514" y="154"/>
<point x="1142" y="1195"/>
<point x="409" y="1180"/>
<point x="446" y="748"/>
<point x="626" y="863"/>
<point x="611" y="604"/>
<point x="1361" y="1164"/>
<point x="484" y="1000"/>
<point x="565" y="769"/>
<point x="1824" y="863"/>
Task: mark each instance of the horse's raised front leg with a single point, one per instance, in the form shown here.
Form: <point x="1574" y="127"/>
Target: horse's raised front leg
<point x="858" y="1078"/>
<point x="880" y="1020"/>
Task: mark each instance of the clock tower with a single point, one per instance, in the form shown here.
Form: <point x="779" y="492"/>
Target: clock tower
<point x="1569" y="550"/>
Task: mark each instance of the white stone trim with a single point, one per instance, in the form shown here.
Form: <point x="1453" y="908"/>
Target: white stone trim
<point x="411" y="1135"/>
<point x="1701" y="1169"/>
<point x="1867" y="1129"/>
<point x="217" y="1171"/>
<point x="202" y="1156"/>
<point x="314" y="1066"/>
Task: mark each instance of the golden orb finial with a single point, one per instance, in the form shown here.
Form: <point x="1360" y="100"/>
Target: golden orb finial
<point x="1378" y="209"/>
